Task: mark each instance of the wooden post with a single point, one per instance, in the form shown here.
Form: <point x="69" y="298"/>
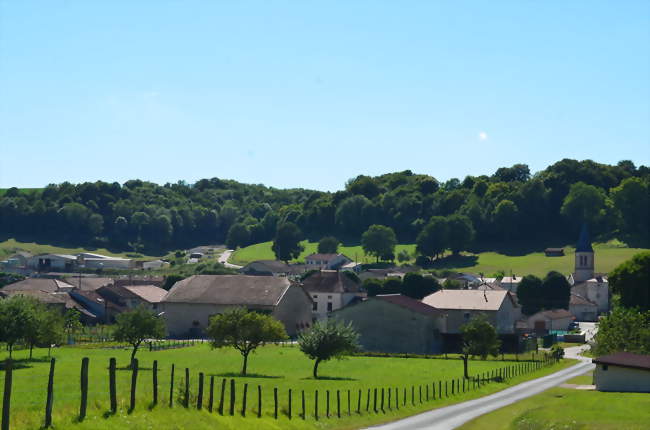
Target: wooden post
<point x="304" y="413"/>
<point x="134" y="381"/>
<point x="397" y="398"/>
<point x="232" y="397"/>
<point x="289" y="410"/>
<point x="390" y="392"/>
<point x="243" y="405"/>
<point x="186" y="400"/>
<point x="154" y="374"/>
<point x="446" y="392"/>
<point x="433" y="390"/>
<point x="404" y="396"/>
<point x="171" y="388"/>
<point x="427" y="397"/>
<point x="84" y="388"/>
<point x="275" y="403"/>
<point x="6" y="399"/>
<point x="420" y="392"/>
<point x="381" y="407"/>
<point x="374" y="400"/>
<point x="112" y="390"/>
<point x="50" y="395"/>
<point x="199" y="397"/>
<point x="338" y="403"/>
<point x="368" y="401"/>
<point x="453" y="383"/>
<point x="211" y="396"/>
<point x="440" y="389"/>
<point x="223" y="392"/>
<point x="259" y="401"/>
<point x="316" y="405"/>
<point x="359" y="403"/>
<point x="349" y="412"/>
<point x="327" y="403"/>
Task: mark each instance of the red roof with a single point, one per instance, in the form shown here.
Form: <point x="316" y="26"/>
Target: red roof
<point x="625" y="359"/>
<point x="409" y="303"/>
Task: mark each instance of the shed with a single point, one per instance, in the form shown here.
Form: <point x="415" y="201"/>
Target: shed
<point x="555" y="319"/>
<point x="554" y="252"/>
<point x="622" y="372"/>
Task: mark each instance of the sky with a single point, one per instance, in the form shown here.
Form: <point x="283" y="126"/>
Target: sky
<point x="313" y="93"/>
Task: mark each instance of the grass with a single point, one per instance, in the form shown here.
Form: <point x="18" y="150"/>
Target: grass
<point x="608" y="256"/>
<point x="570" y="409"/>
<point x="11" y="246"/>
<point x="283" y="367"/>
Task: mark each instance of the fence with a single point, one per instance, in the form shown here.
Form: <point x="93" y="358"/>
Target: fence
<point x="293" y="404"/>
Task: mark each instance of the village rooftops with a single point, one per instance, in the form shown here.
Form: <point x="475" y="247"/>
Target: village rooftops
<point x="41" y="296"/>
<point x="331" y="281"/>
<point x="556" y="314"/>
<point x="484" y="300"/>
<point x="577" y="299"/>
<point x="229" y="290"/>
<point x="148" y="293"/>
<point x="409" y="303"/>
<point x="88" y="283"/>
<point x="625" y="359"/>
<point x="39" y="284"/>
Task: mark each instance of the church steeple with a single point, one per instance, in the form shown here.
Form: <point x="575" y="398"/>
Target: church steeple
<point x="584" y="264"/>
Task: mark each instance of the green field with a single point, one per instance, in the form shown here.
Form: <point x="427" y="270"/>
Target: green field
<point x="607" y="255"/>
<point x="571" y="409"/>
<point x="284" y="367"/>
<point x="11" y="246"/>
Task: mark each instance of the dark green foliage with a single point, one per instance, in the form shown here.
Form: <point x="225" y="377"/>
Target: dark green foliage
<point x="379" y="241"/>
<point x="460" y="233"/>
<point x="328" y="245"/>
<point x="238" y="235"/>
<point x="557" y="291"/>
<point x="479" y="339"/>
<point x="631" y="280"/>
<point x="286" y="244"/>
<point x="434" y="238"/>
<point x="625" y="329"/>
<point x="530" y="295"/>
<point x="136" y="325"/>
<point x="326" y="340"/>
<point x="413" y="285"/>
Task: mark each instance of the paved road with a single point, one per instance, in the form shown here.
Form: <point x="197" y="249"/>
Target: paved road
<point x="453" y="416"/>
<point x="589" y="329"/>
<point x="223" y="259"/>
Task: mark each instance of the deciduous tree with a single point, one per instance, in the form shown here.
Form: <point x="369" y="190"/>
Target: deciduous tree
<point x="137" y="325"/>
<point x="479" y="338"/>
<point x="379" y="241"/>
<point x="326" y="340"/>
<point x="631" y="279"/>
<point x="328" y="245"/>
<point x="286" y="244"/>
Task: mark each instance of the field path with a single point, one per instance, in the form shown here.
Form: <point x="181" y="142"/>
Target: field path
<point x="453" y="416"/>
<point x="223" y="259"/>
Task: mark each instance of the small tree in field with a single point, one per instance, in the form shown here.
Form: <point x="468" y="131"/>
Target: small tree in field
<point x="16" y="315"/>
<point x="52" y="329"/>
<point x="479" y="338"/>
<point x="244" y="331"/>
<point x="135" y="326"/>
<point x="327" y="340"/>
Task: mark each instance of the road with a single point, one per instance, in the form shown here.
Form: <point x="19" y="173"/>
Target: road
<point x="589" y="329"/>
<point x="223" y="259"/>
<point x="453" y="416"/>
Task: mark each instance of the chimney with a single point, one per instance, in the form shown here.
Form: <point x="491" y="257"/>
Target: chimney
<point x="485" y="295"/>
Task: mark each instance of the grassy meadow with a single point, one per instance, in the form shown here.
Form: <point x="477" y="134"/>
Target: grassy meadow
<point x="570" y="409"/>
<point x="608" y="256"/>
<point x="284" y="367"/>
<point x="11" y="246"/>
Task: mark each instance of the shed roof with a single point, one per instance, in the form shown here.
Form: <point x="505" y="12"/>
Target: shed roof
<point x="625" y="359"/>
<point x="554" y="314"/>
<point x="325" y="257"/>
<point x="577" y="299"/>
<point x="148" y="293"/>
<point x="409" y="303"/>
<point x="484" y="300"/>
<point x="229" y="290"/>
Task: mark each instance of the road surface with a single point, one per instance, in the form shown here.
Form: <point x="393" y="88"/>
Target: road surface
<point x="223" y="259"/>
<point x="453" y="416"/>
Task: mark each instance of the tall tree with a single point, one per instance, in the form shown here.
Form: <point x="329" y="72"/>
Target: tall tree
<point x="238" y="235"/>
<point x="505" y="218"/>
<point x="326" y="340"/>
<point x="624" y="329"/>
<point x="479" y="338"/>
<point x="530" y="295"/>
<point x="286" y="244"/>
<point x="460" y="233"/>
<point x="417" y="286"/>
<point x="434" y="237"/>
<point x="328" y="245"/>
<point x="244" y="331"/>
<point x="631" y="279"/>
<point x="16" y="316"/>
<point x="557" y="291"/>
<point x="137" y="325"/>
<point x="632" y="200"/>
<point x="379" y="241"/>
<point x="583" y="203"/>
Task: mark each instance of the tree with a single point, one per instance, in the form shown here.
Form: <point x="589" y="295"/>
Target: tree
<point x="238" y="235"/>
<point x="34" y="324"/>
<point x="530" y="295"/>
<point x="244" y="331"/>
<point x="583" y="203"/>
<point x="72" y="322"/>
<point x="16" y="314"/>
<point x="379" y="241"/>
<point x="631" y="279"/>
<point x="632" y="199"/>
<point x="460" y="233"/>
<point x="505" y="218"/>
<point x="286" y="244"/>
<point x="479" y="338"/>
<point x="136" y="326"/>
<point x="95" y="224"/>
<point x="433" y="238"/>
<point x="417" y="286"/>
<point x="51" y="329"/>
<point x="557" y="291"/>
<point x="328" y="245"/>
<point x="326" y="340"/>
<point x="623" y="329"/>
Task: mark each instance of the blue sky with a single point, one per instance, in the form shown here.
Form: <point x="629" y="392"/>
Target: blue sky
<point x="310" y="94"/>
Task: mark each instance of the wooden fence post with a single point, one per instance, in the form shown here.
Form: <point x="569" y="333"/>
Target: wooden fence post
<point x="397" y="398"/>
<point x="374" y="400"/>
<point x="338" y="403"/>
<point x="327" y="403"/>
<point x="211" y="396"/>
<point x="154" y="374"/>
<point x="112" y="391"/>
<point x="359" y="403"/>
<point x="433" y="390"/>
<point x="420" y="392"/>
<point x="289" y="414"/>
<point x="50" y="395"/>
<point x="243" y="405"/>
<point x="6" y="399"/>
<point x="221" y="399"/>
<point x="440" y="389"/>
<point x="427" y="397"/>
<point x="171" y="388"/>
<point x="381" y="407"/>
<point x="84" y="388"/>
<point x="413" y="395"/>
<point x="232" y="397"/>
<point x="303" y="404"/>
<point x="275" y="402"/>
<point x="368" y="401"/>
<point x="404" y="396"/>
<point x="199" y="397"/>
<point x="316" y="405"/>
<point x="134" y="381"/>
<point x="259" y="401"/>
<point x="186" y="400"/>
<point x="349" y="412"/>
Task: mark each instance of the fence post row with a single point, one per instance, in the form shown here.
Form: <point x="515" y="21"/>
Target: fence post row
<point x="199" y="399"/>
<point x="211" y="397"/>
<point x="186" y="400"/>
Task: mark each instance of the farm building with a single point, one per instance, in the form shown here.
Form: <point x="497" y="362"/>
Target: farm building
<point x="556" y="319"/>
<point x="395" y="323"/>
<point x="326" y="261"/>
<point x="191" y="302"/>
<point x="622" y="372"/>
<point x="331" y="290"/>
<point x="554" y="252"/>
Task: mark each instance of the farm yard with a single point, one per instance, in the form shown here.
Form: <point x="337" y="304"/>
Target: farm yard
<point x="281" y="367"/>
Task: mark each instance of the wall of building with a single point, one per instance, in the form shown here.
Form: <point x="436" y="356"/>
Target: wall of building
<point x="385" y="327"/>
<point x="584" y="312"/>
<point x="457" y="317"/>
<point x="621" y="379"/>
<point x="294" y="310"/>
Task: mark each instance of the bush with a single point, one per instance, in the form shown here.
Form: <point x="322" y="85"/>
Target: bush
<point x="557" y="352"/>
<point x="422" y="261"/>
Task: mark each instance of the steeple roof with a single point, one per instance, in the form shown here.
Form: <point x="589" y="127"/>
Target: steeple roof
<point x="584" y="242"/>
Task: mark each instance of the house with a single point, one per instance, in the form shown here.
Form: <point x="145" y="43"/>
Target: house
<point x="51" y="300"/>
<point x="582" y="308"/>
<point x="622" y="372"/>
<point x="395" y="323"/>
<point x="88" y="260"/>
<point x="326" y="261"/>
<point x="331" y="290"/>
<point x="555" y="319"/>
<point x="554" y="252"/>
<point x="392" y="272"/>
<point x="510" y="283"/>
<point x="190" y="303"/>
<point x="352" y="266"/>
<point x="132" y="296"/>
<point x="584" y="281"/>
<point x="104" y="310"/>
<point x="53" y="262"/>
<point x="149" y="295"/>
<point x="461" y="305"/>
<point x="38" y="284"/>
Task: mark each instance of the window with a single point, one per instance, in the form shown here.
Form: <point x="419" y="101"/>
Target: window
<point x="466" y="315"/>
<point x="315" y="306"/>
<point x="315" y="296"/>
<point x="604" y="367"/>
<point x="329" y="297"/>
<point x="329" y="306"/>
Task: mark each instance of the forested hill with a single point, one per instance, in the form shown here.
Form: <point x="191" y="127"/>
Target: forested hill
<point x="510" y="205"/>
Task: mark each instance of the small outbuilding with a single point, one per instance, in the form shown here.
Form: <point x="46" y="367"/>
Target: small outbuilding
<point x="555" y="319"/>
<point x="554" y="252"/>
<point x="622" y="372"/>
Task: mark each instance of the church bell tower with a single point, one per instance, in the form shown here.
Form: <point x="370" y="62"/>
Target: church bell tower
<point x="584" y="265"/>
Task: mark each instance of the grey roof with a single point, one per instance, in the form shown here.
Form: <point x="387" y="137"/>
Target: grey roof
<point x="584" y="242"/>
<point x="409" y="303"/>
<point x="484" y="300"/>
<point x="229" y="290"/>
<point x="330" y="281"/>
<point x="625" y="359"/>
<point x="554" y="314"/>
<point x="37" y="284"/>
<point x="41" y="296"/>
<point x="577" y="299"/>
<point x="266" y="266"/>
<point x="148" y="293"/>
<point x="88" y="283"/>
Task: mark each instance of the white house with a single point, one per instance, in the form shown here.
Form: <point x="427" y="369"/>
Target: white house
<point x="510" y="283"/>
<point x="331" y="290"/>
<point x="622" y="372"/>
<point x="326" y="261"/>
<point x="48" y="262"/>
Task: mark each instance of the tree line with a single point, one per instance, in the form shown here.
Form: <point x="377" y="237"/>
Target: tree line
<point x="510" y="204"/>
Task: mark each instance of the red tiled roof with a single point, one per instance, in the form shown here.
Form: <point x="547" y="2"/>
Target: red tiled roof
<point x="625" y="359"/>
<point x="409" y="303"/>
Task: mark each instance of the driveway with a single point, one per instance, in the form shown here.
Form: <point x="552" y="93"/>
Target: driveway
<point x="589" y="329"/>
<point x="223" y="259"/>
<point x="453" y="416"/>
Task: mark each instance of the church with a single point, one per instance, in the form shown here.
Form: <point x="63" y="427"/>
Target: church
<point x="589" y="290"/>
